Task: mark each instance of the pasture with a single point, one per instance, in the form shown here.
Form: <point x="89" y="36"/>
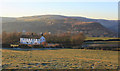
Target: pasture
<point x="59" y="59"/>
<point x="100" y="38"/>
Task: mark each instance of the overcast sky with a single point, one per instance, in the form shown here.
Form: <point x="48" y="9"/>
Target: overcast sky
<point x="100" y="9"/>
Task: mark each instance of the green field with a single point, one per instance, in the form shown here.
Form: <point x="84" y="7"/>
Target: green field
<point x="59" y="59"/>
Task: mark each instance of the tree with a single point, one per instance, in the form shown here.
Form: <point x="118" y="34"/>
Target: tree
<point x="77" y="40"/>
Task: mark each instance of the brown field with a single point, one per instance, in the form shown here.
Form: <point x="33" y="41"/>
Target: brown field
<point x="59" y="59"/>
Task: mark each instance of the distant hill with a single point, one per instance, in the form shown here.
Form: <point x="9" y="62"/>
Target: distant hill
<point x="7" y="19"/>
<point x="110" y="24"/>
<point x="60" y="24"/>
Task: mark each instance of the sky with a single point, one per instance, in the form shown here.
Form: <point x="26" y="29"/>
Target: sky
<point x="89" y="9"/>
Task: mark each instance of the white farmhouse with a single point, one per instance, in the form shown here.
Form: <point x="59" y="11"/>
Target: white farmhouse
<point x="32" y="41"/>
<point x="42" y="39"/>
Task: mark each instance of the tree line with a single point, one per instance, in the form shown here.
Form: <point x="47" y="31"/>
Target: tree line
<point x="64" y="39"/>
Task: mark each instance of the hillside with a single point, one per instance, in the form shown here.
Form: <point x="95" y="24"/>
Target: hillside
<point x="7" y="19"/>
<point x="57" y="24"/>
<point x="92" y="29"/>
<point x="110" y="24"/>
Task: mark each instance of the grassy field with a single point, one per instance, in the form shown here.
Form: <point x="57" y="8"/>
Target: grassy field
<point x="59" y="59"/>
<point x="100" y="38"/>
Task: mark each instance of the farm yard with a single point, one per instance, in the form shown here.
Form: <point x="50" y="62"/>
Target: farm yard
<point x="59" y="59"/>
